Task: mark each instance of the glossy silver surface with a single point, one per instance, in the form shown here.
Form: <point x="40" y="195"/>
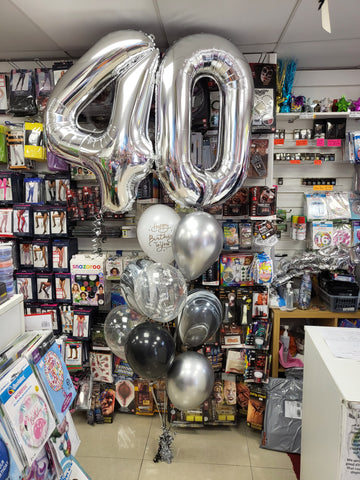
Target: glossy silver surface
<point x="122" y="155"/>
<point x="189" y="59"/>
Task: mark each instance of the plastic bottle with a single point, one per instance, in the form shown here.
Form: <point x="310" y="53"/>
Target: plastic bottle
<point x="285" y="340"/>
<point x="289" y="297"/>
<point x="305" y="291"/>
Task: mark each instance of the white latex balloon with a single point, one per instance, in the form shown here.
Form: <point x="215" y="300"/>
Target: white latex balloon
<point x="155" y="230"/>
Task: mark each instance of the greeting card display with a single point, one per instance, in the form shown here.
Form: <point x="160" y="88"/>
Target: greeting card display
<point x="56" y="381"/>
<point x="26" y="409"/>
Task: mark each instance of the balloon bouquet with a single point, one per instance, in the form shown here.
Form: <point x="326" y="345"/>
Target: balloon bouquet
<point x="122" y="155"/>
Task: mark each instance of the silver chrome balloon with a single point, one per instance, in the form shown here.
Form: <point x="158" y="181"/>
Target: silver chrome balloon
<point x="200" y="318"/>
<point x="122" y="155"/>
<point x="188" y="60"/>
<point x="197" y="243"/>
<point x="189" y="381"/>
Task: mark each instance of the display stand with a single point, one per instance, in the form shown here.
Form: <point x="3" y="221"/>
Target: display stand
<point x="12" y="322"/>
<point x="330" y="383"/>
<point x="316" y="312"/>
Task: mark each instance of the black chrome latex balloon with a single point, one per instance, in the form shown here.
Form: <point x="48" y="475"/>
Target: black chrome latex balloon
<point x="149" y="350"/>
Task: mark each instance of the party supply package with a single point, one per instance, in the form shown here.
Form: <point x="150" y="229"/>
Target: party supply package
<point x="88" y="280"/>
<point x="56" y="379"/>
<point x="10" y="462"/>
<point x="27" y="411"/>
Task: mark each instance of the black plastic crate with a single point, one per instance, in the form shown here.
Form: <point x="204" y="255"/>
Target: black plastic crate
<point x="339" y="303"/>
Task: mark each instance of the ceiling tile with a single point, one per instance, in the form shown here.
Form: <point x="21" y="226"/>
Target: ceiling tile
<point x="242" y="22"/>
<point x="322" y="55"/>
<point x="76" y="25"/>
<point x="306" y="23"/>
<point x="28" y="41"/>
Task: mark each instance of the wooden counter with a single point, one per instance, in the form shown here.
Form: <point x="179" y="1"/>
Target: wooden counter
<point x="316" y="312"/>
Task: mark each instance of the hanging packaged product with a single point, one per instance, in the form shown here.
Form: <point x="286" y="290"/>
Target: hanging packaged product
<point x="44" y="85"/>
<point x="316" y="206"/>
<point x="15" y="145"/>
<point x="3" y="94"/>
<point x="34" y="148"/>
<point x="3" y="146"/>
<point x="321" y="235"/>
<point x="22" y="92"/>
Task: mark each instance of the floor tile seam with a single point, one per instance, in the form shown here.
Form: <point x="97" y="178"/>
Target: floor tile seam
<point x="274" y="468"/>
<point x="117" y="457"/>
<point x="205" y="464"/>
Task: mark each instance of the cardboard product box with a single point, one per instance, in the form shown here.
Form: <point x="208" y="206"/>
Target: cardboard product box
<point x="235" y="269"/>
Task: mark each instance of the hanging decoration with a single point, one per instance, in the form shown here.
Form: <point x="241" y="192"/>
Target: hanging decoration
<point x="122" y="155"/>
<point x="287" y="69"/>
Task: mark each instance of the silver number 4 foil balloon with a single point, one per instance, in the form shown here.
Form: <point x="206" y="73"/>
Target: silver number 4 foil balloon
<point x="122" y="155"/>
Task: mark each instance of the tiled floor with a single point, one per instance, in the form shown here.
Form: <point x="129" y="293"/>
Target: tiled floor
<point x="126" y="448"/>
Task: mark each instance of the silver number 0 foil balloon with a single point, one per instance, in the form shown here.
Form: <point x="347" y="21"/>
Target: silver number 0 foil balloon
<point x="122" y="155"/>
<point x="194" y="57"/>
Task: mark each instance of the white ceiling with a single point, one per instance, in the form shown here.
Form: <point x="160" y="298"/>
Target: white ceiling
<point x="43" y="29"/>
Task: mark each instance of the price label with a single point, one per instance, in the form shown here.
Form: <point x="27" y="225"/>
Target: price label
<point x="320" y="142"/>
<point x="295" y="162"/>
<point x="301" y="142"/>
<point x="278" y="141"/>
<point x="307" y="115"/>
<point x="334" y="142"/>
<point x="323" y="187"/>
<point x="317" y="162"/>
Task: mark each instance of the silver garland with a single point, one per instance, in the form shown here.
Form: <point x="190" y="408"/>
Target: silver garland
<point x="330" y="258"/>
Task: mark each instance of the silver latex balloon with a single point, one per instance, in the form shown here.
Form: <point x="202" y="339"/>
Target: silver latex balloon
<point x="160" y="291"/>
<point x="122" y="155"/>
<point x="118" y="324"/>
<point x="191" y="58"/>
<point x="197" y="243"/>
<point x="200" y="318"/>
<point x="127" y="281"/>
<point x="189" y="381"/>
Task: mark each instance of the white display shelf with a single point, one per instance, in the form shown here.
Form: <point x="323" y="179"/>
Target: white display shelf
<point x="12" y="322"/>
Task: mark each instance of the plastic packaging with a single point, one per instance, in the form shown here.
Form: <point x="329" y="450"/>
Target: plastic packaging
<point x="289" y="297"/>
<point x="305" y="291"/>
<point x="285" y="340"/>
